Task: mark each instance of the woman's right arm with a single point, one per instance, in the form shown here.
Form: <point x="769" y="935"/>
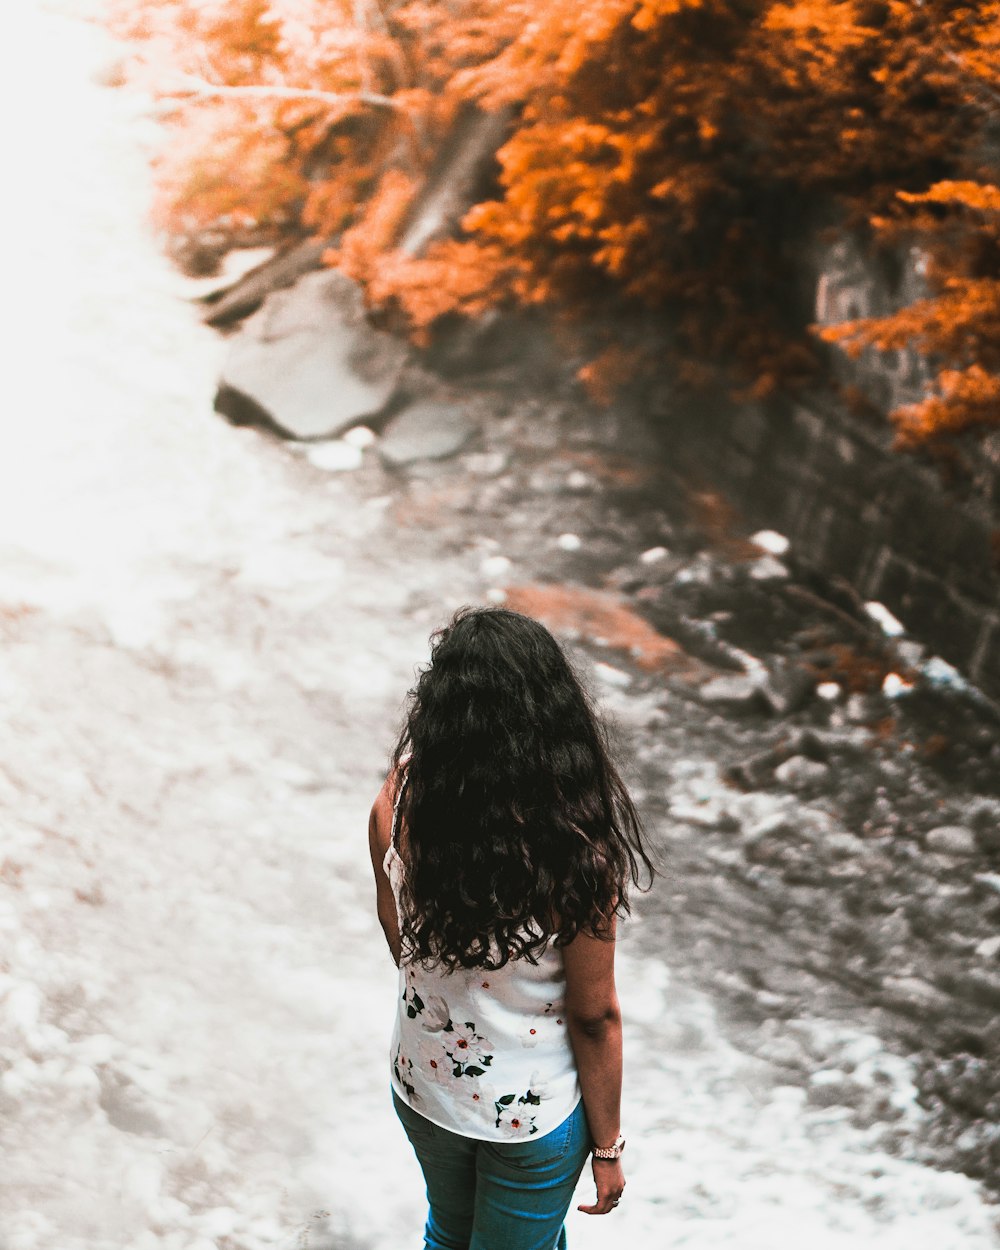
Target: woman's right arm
<point x="379" y="833"/>
<point x="595" y="1030"/>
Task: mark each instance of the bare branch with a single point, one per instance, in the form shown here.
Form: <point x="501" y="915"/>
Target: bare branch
<point x="200" y="88"/>
<point x="266" y="91"/>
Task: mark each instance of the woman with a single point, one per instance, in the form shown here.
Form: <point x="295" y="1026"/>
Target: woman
<point x="503" y="844"/>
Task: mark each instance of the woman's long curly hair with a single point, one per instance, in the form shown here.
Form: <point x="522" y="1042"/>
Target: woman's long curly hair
<point x="518" y="828"/>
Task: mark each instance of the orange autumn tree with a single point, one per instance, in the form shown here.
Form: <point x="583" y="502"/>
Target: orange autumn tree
<point x="665" y="158"/>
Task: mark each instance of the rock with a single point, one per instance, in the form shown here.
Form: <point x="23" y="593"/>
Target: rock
<point x="427" y="430"/>
<point x="308" y="364"/>
<point x="736" y="691"/>
<point x="914" y="997"/>
<point x="843" y="845"/>
<point x="612" y="676"/>
<point x="881" y="615"/>
<point x="770" y="540"/>
<point x="360" y="436"/>
<point x="703" y="816"/>
<point x="569" y="542"/>
<point x="908" y="651"/>
<point x="334" y="455"/>
<point x="989" y="947"/>
<point x="829" y="1088"/>
<point x="786" y="686"/>
<point x="801" y="773"/>
<point x="486" y="463"/>
<point x="894" y="686"/>
<point x="767" y="568"/>
<point x="495" y="566"/>
<point x="790" y="981"/>
<point x="770" y="840"/>
<point x="952" y="840"/>
<point x="984" y="817"/>
<point x="859" y="708"/>
<point x="654" y="555"/>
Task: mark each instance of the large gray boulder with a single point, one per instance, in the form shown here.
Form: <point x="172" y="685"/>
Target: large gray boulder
<point x="427" y="430"/>
<point x="309" y="364"/>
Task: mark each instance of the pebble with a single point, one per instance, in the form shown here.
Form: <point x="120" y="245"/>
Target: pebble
<point x="829" y="690"/>
<point x="767" y="569"/>
<point x="486" y="463"/>
<point x="915" y="996"/>
<point x="909" y="652"/>
<point x="494" y="566"/>
<point x="799" y="772"/>
<point x="940" y="673"/>
<point x="336" y="456"/>
<point x="654" y="555"/>
<point x="359" y="436"/>
<point x="843" y="844"/>
<point x="857" y="708"/>
<point x="569" y="542"/>
<point x="893" y="686"/>
<point x="881" y="615"/>
<point x="770" y="540"/>
<point x="989" y="947"/>
<point x="952" y="840"/>
<point x="734" y="691"/>
<point x="612" y="676"/>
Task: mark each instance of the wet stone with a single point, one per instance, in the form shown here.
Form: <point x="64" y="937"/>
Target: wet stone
<point x="952" y="840"/>
<point x="309" y="364"/>
<point x="787" y="686"/>
<point x="801" y="773"/>
<point x="989" y="948"/>
<point x="737" y="692"/>
<point x="425" y="431"/>
<point x="915" y="997"/>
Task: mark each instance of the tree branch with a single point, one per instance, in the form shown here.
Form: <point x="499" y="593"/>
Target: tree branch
<point x="201" y="88"/>
<point x="266" y="91"/>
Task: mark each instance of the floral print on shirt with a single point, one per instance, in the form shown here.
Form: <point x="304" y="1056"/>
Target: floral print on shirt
<point x="512" y="1118"/>
<point x="457" y="1056"/>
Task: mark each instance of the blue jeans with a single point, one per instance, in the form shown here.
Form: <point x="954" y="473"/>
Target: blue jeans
<point x="486" y="1195"/>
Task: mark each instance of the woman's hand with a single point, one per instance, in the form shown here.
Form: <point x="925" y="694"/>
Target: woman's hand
<point x="610" y="1181"/>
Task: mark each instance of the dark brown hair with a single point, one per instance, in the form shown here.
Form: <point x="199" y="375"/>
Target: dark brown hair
<point x="519" y="829"/>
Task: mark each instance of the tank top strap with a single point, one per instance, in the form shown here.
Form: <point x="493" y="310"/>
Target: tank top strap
<point x="394" y="833"/>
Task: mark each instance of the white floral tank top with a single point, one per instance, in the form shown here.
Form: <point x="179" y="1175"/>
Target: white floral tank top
<point x="483" y="1053"/>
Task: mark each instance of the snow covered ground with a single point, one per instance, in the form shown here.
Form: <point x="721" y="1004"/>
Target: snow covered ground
<point x="205" y="644"/>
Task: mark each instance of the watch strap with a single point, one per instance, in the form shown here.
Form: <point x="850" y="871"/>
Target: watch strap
<point x="609" y="1152"/>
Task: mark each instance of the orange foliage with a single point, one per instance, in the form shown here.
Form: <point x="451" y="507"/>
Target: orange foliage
<point x="958" y="326"/>
<point x="665" y="155"/>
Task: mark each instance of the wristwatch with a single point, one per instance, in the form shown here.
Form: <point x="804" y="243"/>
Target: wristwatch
<point x="609" y="1152"/>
